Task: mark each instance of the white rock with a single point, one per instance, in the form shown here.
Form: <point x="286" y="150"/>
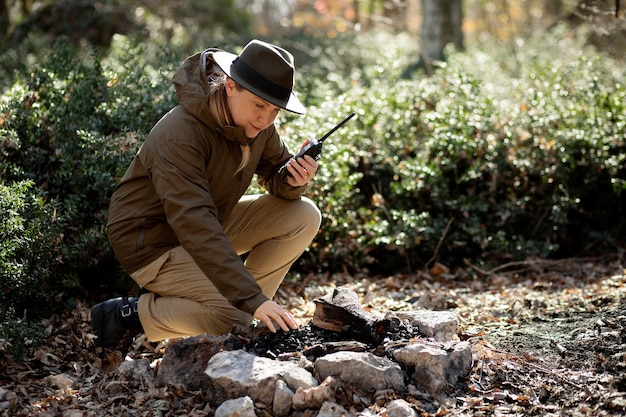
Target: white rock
<point x="361" y="369"/>
<point x="439" y="325"/>
<point x="435" y="364"/>
<point x="400" y="408"/>
<point x="237" y="373"/>
<point x="283" y="399"/>
<point x="239" y="407"/>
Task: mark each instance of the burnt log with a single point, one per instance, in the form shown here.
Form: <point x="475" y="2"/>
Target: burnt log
<point x="322" y="349"/>
<point x="341" y="312"/>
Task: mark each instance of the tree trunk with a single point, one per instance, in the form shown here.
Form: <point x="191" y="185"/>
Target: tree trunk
<point x="395" y="12"/>
<point x="606" y="24"/>
<point x="442" y="25"/>
<point x="553" y="9"/>
<point x="4" y="18"/>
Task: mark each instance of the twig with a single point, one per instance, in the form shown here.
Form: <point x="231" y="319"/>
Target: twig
<point x="441" y="239"/>
<point x="549" y="372"/>
<point x="475" y="268"/>
<point x="532" y="264"/>
<point x="539" y="368"/>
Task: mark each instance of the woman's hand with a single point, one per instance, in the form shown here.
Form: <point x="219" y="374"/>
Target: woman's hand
<point x="302" y="170"/>
<point x="270" y="312"/>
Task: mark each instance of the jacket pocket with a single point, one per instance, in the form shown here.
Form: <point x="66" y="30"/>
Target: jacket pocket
<point x="141" y="234"/>
<point x="149" y="272"/>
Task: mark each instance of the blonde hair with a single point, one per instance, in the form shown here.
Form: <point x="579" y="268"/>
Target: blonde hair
<point x="219" y="108"/>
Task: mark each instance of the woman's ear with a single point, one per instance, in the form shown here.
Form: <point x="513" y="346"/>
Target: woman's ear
<point x="230" y="86"/>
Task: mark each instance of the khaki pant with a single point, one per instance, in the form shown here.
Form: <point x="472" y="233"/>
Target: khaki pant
<point x="183" y="302"/>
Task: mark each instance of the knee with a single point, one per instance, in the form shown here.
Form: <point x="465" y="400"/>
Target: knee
<point x="299" y="219"/>
<point x="294" y="218"/>
<point x="305" y="220"/>
<point x="310" y="213"/>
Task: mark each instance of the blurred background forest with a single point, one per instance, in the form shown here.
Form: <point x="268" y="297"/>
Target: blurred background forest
<point x="185" y="25"/>
<point x="487" y="131"/>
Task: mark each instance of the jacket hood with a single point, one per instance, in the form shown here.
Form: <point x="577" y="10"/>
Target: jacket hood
<point x="192" y="90"/>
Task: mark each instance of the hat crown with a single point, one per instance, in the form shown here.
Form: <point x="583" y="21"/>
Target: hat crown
<point x="264" y="69"/>
<point x="270" y="61"/>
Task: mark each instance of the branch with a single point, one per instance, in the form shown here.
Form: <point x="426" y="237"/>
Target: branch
<point x="441" y="239"/>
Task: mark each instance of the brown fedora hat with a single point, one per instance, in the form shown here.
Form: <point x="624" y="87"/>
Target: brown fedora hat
<point x="265" y="70"/>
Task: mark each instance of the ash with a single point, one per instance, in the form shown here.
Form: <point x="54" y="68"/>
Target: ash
<point x="311" y="340"/>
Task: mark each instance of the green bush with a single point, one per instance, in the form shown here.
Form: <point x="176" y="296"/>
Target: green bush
<point x="29" y="255"/>
<point x="72" y="126"/>
<point x="490" y="159"/>
<point x="543" y="148"/>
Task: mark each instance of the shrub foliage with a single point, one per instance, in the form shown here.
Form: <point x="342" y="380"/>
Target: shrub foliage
<point x="29" y="234"/>
<point x="495" y="157"/>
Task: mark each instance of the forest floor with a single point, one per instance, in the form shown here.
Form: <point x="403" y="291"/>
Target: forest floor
<point x="549" y="339"/>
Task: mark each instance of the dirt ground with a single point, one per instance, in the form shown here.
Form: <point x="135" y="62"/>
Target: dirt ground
<point x="549" y="339"/>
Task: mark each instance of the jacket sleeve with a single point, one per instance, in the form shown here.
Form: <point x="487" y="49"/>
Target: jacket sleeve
<point x="269" y="173"/>
<point x="177" y="171"/>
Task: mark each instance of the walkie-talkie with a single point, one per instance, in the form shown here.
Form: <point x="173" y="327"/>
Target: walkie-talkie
<point x="314" y="148"/>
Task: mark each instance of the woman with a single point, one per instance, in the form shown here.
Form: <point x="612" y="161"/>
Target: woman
<point x="179" y="220"/>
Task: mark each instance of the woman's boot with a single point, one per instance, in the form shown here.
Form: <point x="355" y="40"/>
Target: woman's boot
<point x="113" y="319"/>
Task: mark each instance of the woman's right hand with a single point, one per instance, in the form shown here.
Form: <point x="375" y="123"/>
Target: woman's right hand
<point x="271" y="312"/>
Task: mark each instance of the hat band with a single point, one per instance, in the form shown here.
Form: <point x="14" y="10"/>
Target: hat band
<point x="260" y="82"/>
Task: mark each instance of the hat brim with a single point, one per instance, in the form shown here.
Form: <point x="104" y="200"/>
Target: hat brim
<point x="225" y="59"/>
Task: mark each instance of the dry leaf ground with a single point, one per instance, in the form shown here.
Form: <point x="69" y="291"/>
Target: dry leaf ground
<point x="549" y="339"/>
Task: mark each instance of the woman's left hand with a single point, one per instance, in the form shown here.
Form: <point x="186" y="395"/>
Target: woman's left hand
<point x="302" y="170"/>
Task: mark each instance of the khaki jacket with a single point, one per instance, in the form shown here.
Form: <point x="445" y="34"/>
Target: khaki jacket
<point x="182" y="185"/>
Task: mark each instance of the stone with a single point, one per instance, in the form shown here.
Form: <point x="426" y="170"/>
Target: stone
<point x="8" y="400"/>
<point x="184" y="362"/>
<point x="438" y="325"/>
<point x="314" y="397"/>
<point x="61" y="381"/>
<point x="362" y="369"/>
<point x="137" y="371"/>
<point x="130" y="375"/>
<point x="400" y="408"/>
<point x="238" y="407"/>
<point x="435" y="365"/>
<point x="239" y="373"/>
<point x="331" y="409"/>
<point x="283" y="399"/>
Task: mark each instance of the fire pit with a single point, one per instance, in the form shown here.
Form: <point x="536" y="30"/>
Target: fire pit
<point x="344" y="353"/>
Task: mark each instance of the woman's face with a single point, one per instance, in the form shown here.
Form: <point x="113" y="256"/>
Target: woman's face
<point x="248" y="110"/>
